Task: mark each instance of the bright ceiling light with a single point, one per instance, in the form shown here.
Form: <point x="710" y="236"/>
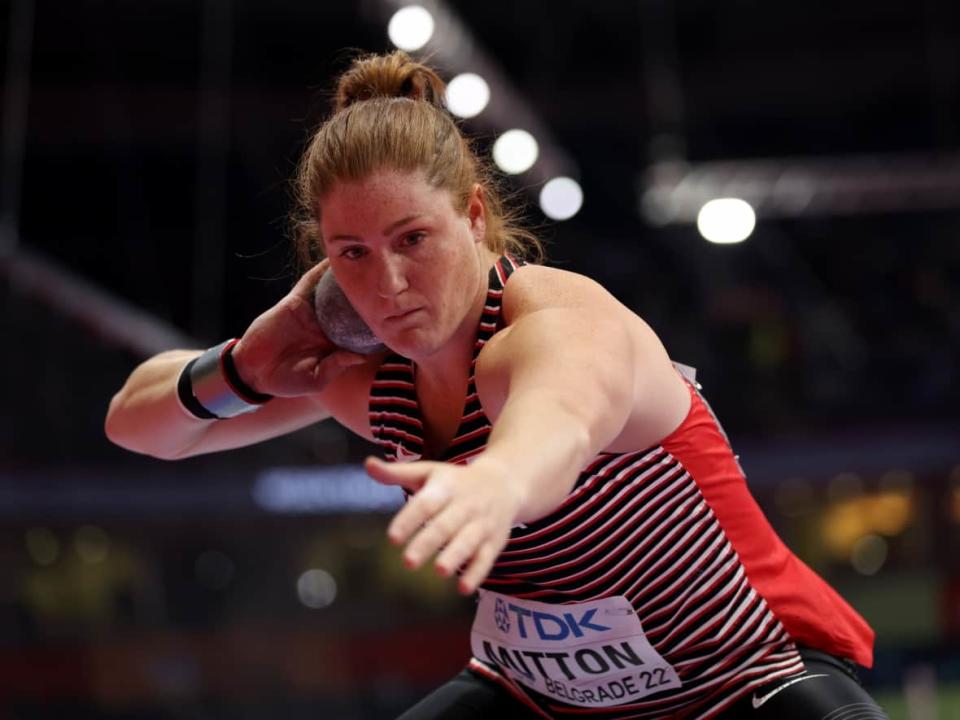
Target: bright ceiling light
<point x="726" y="220"/>
<point x="410" y="28"/>
<point x="467" y="95"/>
<point x="515" y="151"/>
<point x="561" y="198"/>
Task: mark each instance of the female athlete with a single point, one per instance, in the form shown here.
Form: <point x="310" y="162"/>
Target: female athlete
<point x="555" y="460"/>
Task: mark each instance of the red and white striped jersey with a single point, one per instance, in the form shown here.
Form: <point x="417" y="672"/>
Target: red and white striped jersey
<point x="674" y="529"/>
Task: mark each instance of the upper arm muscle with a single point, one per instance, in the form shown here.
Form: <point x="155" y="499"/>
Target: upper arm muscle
<point x="566" y="335"/>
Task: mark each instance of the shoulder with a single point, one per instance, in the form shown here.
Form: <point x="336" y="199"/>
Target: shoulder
<point x="532" y="288"/>
<point x="565" y="331"/>
<point x="555" y="323"/>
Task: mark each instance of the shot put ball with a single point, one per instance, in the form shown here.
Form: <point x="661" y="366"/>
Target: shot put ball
<point x="340" y="322"/>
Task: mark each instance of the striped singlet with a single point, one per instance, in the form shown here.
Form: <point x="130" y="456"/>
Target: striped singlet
<point x="673" y="529"/>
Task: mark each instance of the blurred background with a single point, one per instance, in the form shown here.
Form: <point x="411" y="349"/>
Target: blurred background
<point x="146" y="154"/>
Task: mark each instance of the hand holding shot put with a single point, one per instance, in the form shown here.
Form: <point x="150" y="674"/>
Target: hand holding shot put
<point x="284" y="357"/>
<point x="554" y="456"/>
<point x="285" y="351"/>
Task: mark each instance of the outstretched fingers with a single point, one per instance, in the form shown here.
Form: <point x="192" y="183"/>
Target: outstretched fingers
<point x="441" y="530"/>
<point x="411" y="475"/>
<point x="461" y="517"/>
<point x="478" y="570"/>
<point x="459" y="550"/>
<point x="422" y="508"/>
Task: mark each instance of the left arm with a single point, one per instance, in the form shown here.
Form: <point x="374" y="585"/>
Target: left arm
<point x="558" y="386"/>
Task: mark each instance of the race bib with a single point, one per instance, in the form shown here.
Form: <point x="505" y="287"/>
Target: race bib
<point x="590" y="654"/>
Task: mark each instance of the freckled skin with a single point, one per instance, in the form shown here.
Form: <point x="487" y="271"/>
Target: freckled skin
<point x="435" y="263"/>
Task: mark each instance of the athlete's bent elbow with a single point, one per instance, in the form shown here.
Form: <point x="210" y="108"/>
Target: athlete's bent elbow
<point x="112" y="426"/>
<point x="117" y="427"/>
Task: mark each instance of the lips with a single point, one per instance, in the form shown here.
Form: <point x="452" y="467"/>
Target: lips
<point x="402" y="315"/>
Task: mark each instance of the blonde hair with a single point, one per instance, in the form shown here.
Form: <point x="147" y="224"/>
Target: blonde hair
<point x="389" y="114"/>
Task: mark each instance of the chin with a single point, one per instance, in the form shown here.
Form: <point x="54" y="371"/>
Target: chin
<point x="415" y="343"/>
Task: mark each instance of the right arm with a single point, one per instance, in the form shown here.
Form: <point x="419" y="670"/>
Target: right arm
<point x="145" y="415"/>
<point x="283" y="353"/>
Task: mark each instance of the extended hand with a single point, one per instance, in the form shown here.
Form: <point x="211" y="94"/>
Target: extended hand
<point x="462" y="512"/>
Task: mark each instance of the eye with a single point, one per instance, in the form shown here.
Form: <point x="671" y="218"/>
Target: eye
<point x="414" y="238"/>
<point x="353" y="252"/>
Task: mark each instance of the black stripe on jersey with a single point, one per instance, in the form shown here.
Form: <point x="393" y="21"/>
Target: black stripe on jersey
<point x="467" y="446"/>
<point x="398" y="375"/>
<point x="610" y="468"/>
<point x="593" y="572"/>
<point x="396" y="418"/>
<point x="601" y="531"/>
<point x="643" y="478"/>
<point x="663" y="581"/>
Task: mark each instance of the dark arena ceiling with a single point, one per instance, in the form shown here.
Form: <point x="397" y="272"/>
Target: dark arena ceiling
<point x="160" y="138"/>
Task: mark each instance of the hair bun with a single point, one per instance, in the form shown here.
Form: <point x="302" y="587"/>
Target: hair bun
<point x="389" y="76"/>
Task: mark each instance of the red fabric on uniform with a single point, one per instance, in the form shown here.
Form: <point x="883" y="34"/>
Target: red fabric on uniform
<point x="811" y="611"/>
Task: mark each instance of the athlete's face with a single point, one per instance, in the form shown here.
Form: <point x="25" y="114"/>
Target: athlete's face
<point x="408" y="261"/>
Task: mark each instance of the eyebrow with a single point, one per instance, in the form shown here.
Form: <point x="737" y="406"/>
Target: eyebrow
<point x="386" y="231"/>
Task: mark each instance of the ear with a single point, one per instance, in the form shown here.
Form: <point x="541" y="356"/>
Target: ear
<point x="477" y="213"/>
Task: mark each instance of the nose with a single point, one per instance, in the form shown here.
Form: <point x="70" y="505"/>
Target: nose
<point x="392" y="279"/>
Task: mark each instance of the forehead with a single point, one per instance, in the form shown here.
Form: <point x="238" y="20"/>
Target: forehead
<point x="381" y="194"/>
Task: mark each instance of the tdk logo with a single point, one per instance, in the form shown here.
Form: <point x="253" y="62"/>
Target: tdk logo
<point x="501" y="616"/>
<point x="547" y="626"/>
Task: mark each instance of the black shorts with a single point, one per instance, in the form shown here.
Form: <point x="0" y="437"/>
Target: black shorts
<point x="829" y="689"/>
